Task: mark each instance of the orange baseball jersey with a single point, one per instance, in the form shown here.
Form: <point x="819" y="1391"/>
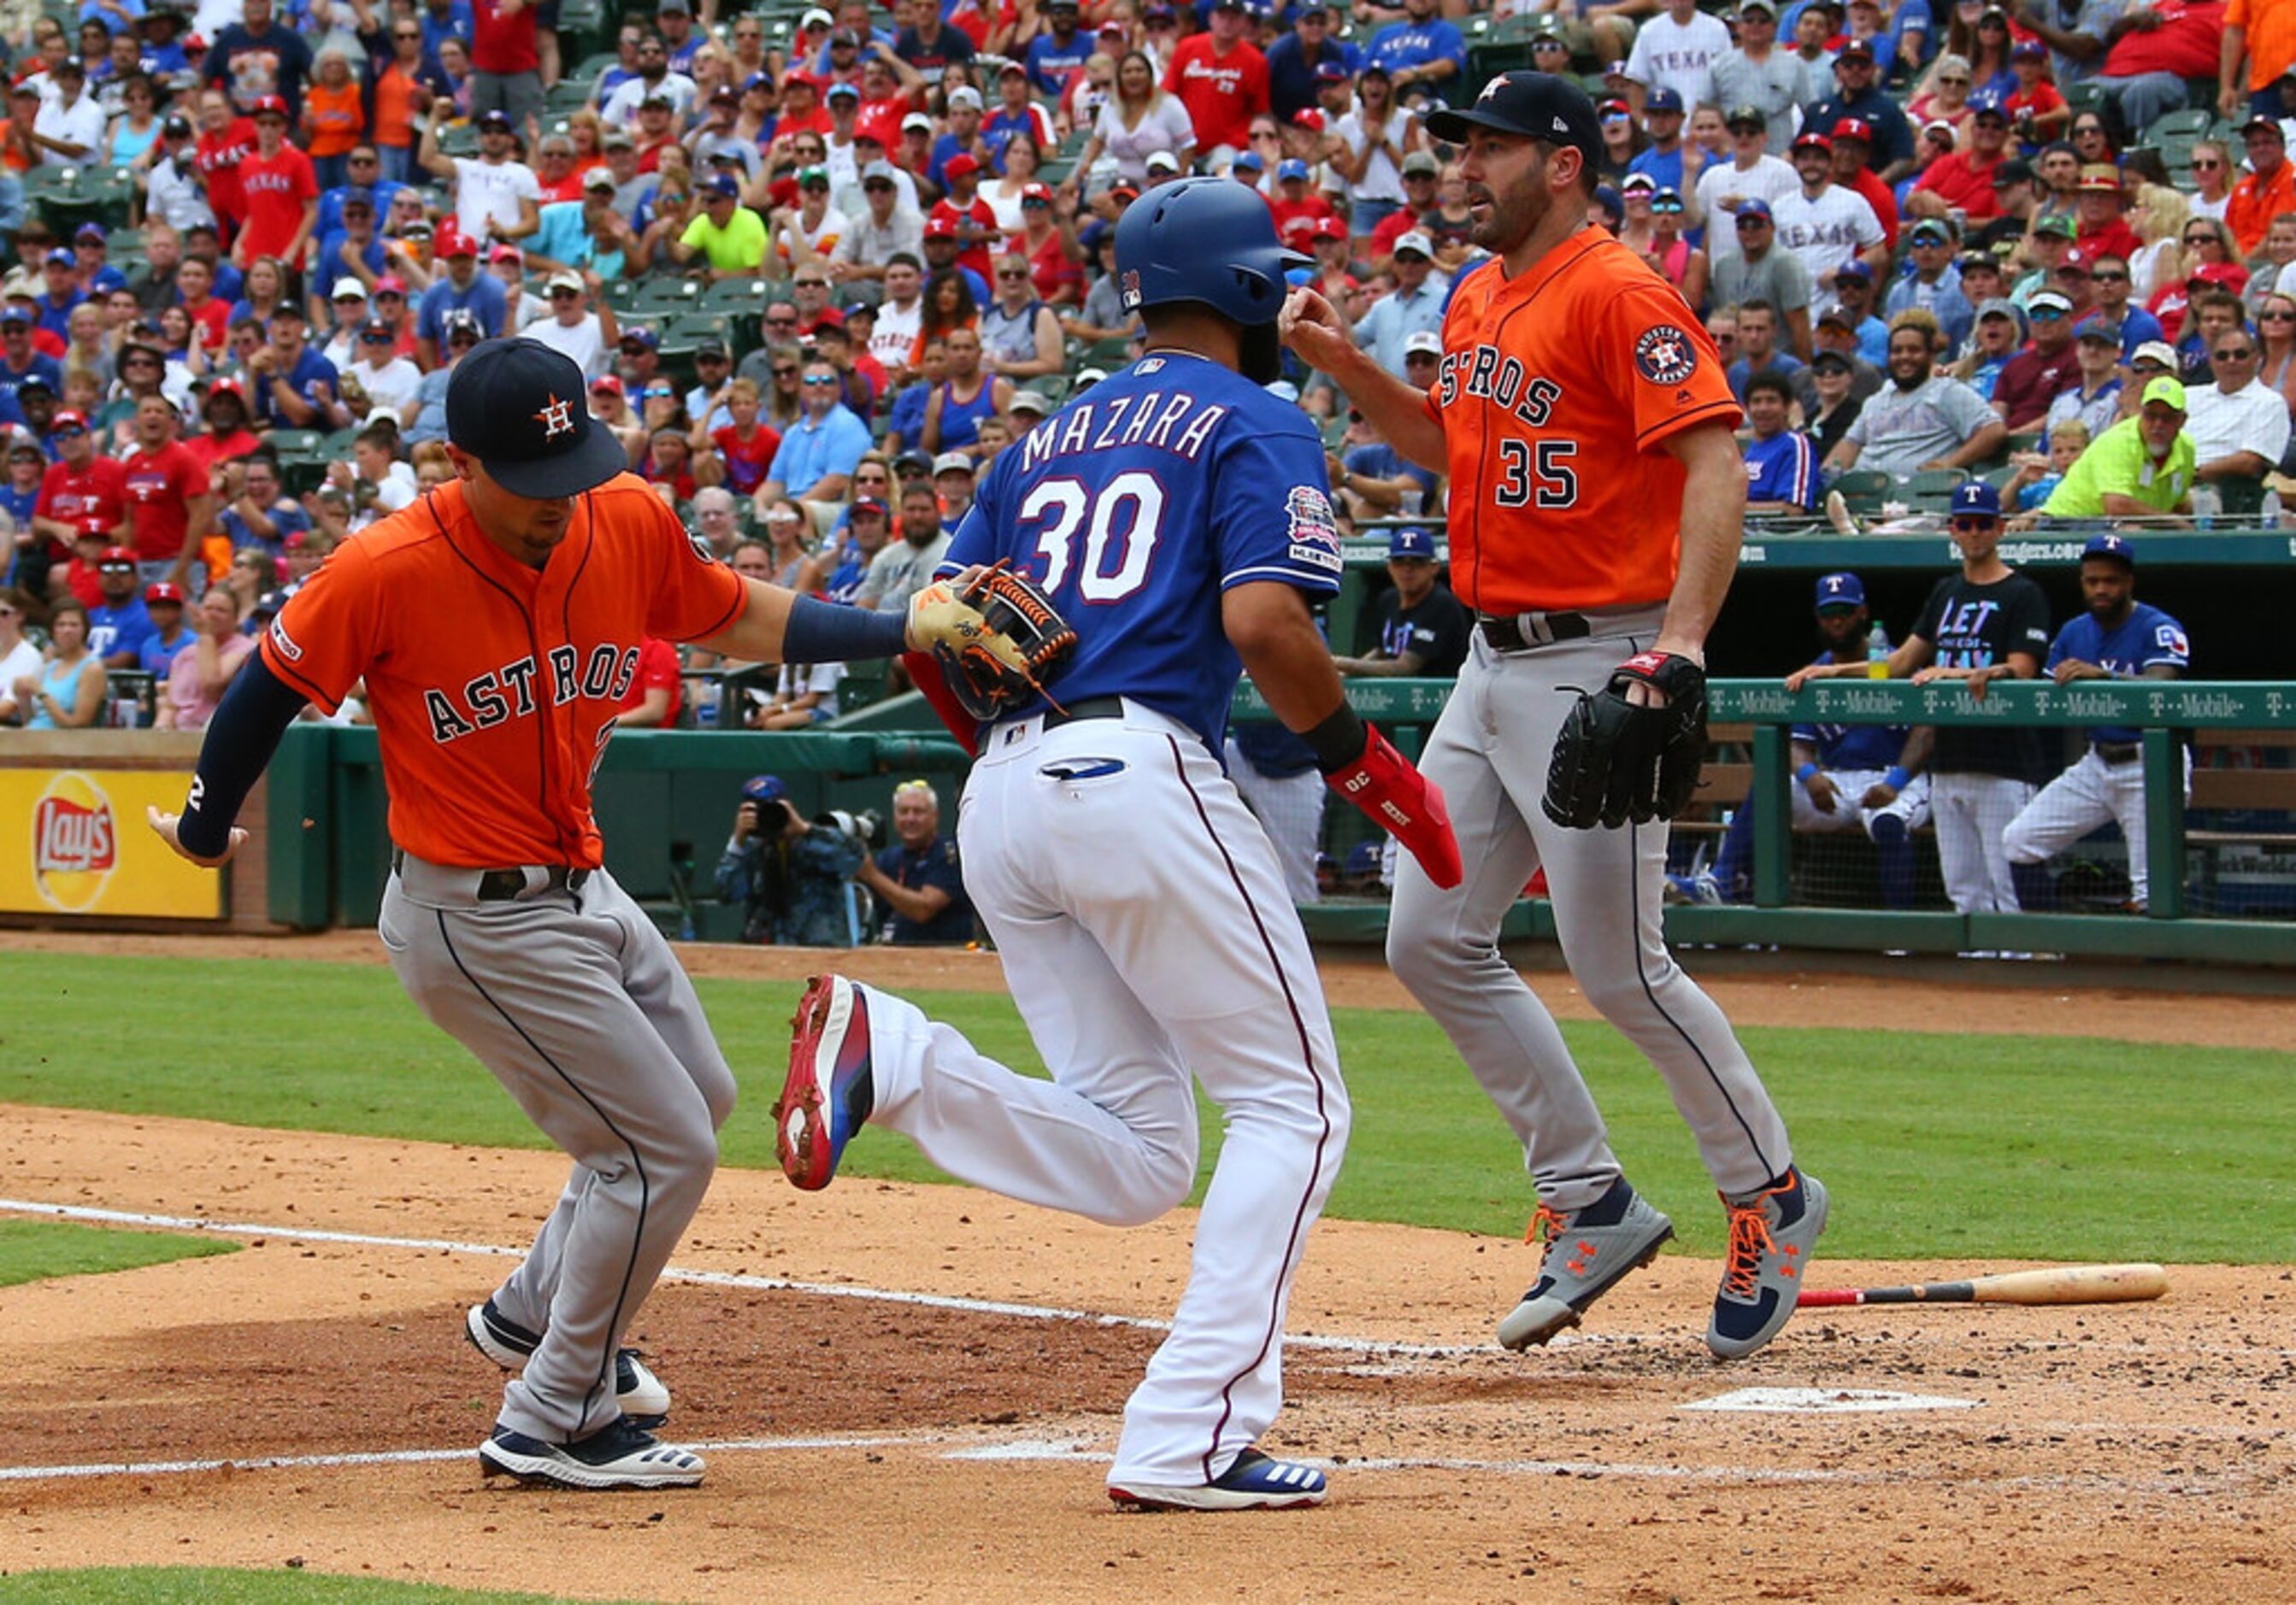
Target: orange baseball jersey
<point x="1557" y="388"/>
<point x="495" y="685"/>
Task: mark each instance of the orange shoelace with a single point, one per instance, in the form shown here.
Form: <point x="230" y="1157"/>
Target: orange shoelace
<point x="1750" y="1240"/>
<point x="1545" y="1227"/>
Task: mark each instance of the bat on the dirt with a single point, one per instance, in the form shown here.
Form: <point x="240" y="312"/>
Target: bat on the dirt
<point x="2064" y="1284"/>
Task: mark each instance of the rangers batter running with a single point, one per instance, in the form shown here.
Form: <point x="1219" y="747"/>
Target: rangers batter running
<point x="496" y="623"/>
<point x="1597" y="505"/>
<point x="1175" y="514"/>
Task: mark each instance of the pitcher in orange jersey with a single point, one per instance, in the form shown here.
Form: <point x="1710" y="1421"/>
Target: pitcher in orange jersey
<point x="498" y="624"/>
<point x="1597" y="505"/>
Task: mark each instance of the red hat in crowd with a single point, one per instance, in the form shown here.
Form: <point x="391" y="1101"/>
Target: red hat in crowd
<point x="2229" y="275"/>
<point x="111" y="555"/>
<point x="941" y="226"/>
<point x="607" y="384"/>
<point x="960" y="166"/>
<point x="1033" y="191"/>
<point x="1327" y="228"/>
<point x="506" y="252"/>
<point x="68" y="418"/>
<point x="452" y="241"/>
<point x="269" y="105"/>
<point x="391" y="284"/>
<point x="1308" y="118"/>
<point x="160" y="591"/>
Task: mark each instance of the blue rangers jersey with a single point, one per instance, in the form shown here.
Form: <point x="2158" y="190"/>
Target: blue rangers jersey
<point x="2145" y="637"/>
<point x="1843" y="747"/>
<point x="1137" y="504"/>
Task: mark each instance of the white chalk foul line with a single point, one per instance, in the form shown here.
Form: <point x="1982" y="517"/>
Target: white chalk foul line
<point x="734" y="1279"/>
<point x="392" y="1457"/>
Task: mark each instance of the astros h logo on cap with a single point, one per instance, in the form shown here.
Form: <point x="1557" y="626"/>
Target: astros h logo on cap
<point x="508" y="405"/>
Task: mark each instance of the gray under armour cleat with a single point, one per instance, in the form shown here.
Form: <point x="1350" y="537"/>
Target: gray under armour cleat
<point x="1771" y="1236"/>
<point x="1588" y="1252"/>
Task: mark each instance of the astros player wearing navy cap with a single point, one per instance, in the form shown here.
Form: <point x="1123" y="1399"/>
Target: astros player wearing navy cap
<point x="496" y="624"/>
<point x="1986" y="623"/>
<point x="1176" y="516"/>
<point x="2118" y="638"/>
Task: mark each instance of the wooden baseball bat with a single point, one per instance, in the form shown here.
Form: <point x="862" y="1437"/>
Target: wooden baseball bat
<point x="2063" y="1284"/>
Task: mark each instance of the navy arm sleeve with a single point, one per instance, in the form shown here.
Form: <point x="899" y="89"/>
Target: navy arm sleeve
<point x="241" y="737"/>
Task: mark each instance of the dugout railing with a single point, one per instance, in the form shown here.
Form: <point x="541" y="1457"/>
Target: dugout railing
<point x="2170" y="714"/>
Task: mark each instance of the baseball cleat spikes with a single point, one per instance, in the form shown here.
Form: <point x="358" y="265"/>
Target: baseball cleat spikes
<point x="643" y="1395"/>
<point x="1255" y="1482"/>
<point x="1771" y="1236"/>
<point x="829" y="1090"/>
<point x="1589" y="1253"/>
<point x="622" y="1455"/>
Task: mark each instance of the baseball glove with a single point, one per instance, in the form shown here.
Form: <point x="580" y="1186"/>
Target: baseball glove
<point x="999" y="640"/>
<point x="1616" y="761"/>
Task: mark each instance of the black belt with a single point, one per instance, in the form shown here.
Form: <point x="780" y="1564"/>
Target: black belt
<point x="2119" y="753"/>
<point x="1090" y="707"/>
<point x="1521" y="632"/>
<point x="507" y="886"/>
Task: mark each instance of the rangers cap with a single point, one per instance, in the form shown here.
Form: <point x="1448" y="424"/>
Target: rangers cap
<point x="160" y="591"/>
<point x="1844" y="590"/>
<point x="963" y="165"/>
<point x="1661" y="101"/>
<point x="1853" y="128"/>
<point x="1538" y="105"/>
<point x="1975" y="499"/>
<point x="2109" y="545"/>
<point x="516" y="406"/>
<point x="1410" y="542"/>
<point x="114" y="557"/>
<point x="1249" y="161"/>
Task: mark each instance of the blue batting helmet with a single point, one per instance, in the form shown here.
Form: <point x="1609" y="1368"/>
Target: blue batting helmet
<point x="1209" y="241"/>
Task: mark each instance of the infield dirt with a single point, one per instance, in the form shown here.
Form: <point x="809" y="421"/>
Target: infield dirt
<point x="910" y="1451"/>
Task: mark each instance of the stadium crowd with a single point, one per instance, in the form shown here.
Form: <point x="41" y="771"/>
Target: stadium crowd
<point x="823" y="265"/>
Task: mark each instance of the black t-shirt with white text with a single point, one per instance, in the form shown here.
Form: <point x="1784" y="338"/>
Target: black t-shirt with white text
<point x="1977" y="626"/>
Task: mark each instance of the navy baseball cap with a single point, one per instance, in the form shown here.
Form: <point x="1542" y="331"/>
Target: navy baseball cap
<point x="1539" y="105"/>
<point x="1410" y="541"/>
<point x="1840" y="591"/>
<point x="2110" y="546"/>
<point x="764" y="788"/>
<point x="521" y="409"/>
<point x="1974" y="498"/>
<point x="1753" y="206"/>
<point x="1662" y="100"/>
<point x="1363" y="859"/>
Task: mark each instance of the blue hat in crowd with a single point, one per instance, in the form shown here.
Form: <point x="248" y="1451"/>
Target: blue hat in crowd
<point x="1662" y="100"/>
<point x="1291" y="166"/>
<point x="1250" y="161"/>
<point x="1363" y="859"/>
<point x="1974" y="498"/>
<point x="2110" y="546"/>
<point x="1840" y="591"/>
<point x="1411" y="541"/>
<point x="1753" y="206"/>
<point x="764" y="788"/>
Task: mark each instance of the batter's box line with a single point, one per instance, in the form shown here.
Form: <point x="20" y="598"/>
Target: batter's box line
<point x="779" y="1284"/>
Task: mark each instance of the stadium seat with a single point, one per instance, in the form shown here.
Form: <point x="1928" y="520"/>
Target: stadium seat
<point x="1933" y="484"/>
<point x="2191" y="124"/>
<point x="1865" y="488"/>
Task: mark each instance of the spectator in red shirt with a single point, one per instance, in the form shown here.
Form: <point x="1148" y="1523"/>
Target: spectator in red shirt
<point x="1221" y="77"/>
<point x="2168" y="41"/>
<point x="169" y="505"/>
<point x="81" y="492"/>
<point x="224" y="410"/>
<point x="1046" y="242"/>
<point x="210" y="313"/>
<point x="973" y="219"/>
<point x="1853" y="145"/>
<point x="283" y="192"/>
<point x="657" y="693"/>
<point x="1964" y="179"/>
<point x="2096" y="215"/>
<point x="2040" y="111"/>
<point x="1298" y="208"/>
<point x="746" y="445"/>
<point x="670" y="460"/>
<point x="225" y="141"/>
<point x="505" y="65"/>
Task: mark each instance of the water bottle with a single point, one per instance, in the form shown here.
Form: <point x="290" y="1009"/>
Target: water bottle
<point x="1877" y="653"/>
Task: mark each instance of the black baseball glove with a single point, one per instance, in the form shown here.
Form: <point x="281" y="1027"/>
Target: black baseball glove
<point x="999" y="641"/>
<point x="1615" y="761"/>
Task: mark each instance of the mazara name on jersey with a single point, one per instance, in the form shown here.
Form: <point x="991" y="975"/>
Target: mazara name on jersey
<point x="508" y="693"/>
<point x="1486" y="373"/>
<point x="1172" y="421"/>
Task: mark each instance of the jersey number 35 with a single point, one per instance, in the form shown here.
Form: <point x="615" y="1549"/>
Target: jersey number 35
<point x="1553" y="485"/>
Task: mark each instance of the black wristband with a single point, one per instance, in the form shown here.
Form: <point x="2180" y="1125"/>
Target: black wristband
<point x="827" y="631"/>
<point x="1339" y="740"/>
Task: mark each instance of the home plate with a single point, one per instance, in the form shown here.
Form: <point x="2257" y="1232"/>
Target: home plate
<point x="1825" y="1401"/>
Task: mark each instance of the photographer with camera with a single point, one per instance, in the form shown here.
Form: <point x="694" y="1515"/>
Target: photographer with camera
<point x="787" y="871"/>
<point x="916" y="880"/>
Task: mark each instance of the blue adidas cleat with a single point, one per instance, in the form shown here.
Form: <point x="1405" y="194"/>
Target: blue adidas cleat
<point x="1255" y="1482"/>
<point x="830" y="1091"/>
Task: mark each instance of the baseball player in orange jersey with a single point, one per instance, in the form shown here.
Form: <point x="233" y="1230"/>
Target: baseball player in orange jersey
<point x="1597" y="506"/>
<point x="498" y="624"/>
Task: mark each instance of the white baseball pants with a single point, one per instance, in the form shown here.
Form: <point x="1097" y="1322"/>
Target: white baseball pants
<point x="1490" y="752"/>
<point x="1911" y="804"/>
<point x="2080" y="800"/>
<point x="1148" y="938"/>
<point x="1290" y="807"/>
<point x="1973" y="812"/>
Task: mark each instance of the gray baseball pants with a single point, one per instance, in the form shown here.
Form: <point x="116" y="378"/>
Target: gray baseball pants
<point x="577" y="1004"/>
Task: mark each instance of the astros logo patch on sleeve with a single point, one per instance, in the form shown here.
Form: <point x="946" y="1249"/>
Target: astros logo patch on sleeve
<point x="1664" y="354"/>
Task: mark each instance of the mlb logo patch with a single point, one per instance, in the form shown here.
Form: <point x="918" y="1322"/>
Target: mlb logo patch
<point x="1127" y="288"/>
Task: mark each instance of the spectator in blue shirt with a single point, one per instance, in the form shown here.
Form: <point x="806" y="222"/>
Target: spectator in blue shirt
<point x="1060" y="50"/>
<point x="1934" y="282"/>
<point x="1660" y="162"/>
<point x="818" y="452"/>
<point x="462" y="288"/>
<point x="443" y="19"/>
<point x="364" y="163"/>
<point x="916" y="880"/>
<point x="1781" y="465"/>
<point x="291" y="384"/>
<point x="164" y="601"/>
<point x="61" y="268"/>
<point x="1415" y="305"/>
<point x="261" y="517"/>
<point x="1293" y="60"/>
<point x="1421" y="51"/>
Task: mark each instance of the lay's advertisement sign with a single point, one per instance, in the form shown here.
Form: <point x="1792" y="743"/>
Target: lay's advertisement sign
<point x="73" y="841"/>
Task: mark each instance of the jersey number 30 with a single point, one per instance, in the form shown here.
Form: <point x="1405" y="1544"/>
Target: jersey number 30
<point x="1555" y="485"/>
<point x="1119" y="539"/>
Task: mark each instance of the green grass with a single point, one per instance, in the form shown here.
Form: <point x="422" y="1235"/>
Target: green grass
<point x="214" y="1586"/>
<point x="32" y="1250"/>
<point x="1935" y="1145"/>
